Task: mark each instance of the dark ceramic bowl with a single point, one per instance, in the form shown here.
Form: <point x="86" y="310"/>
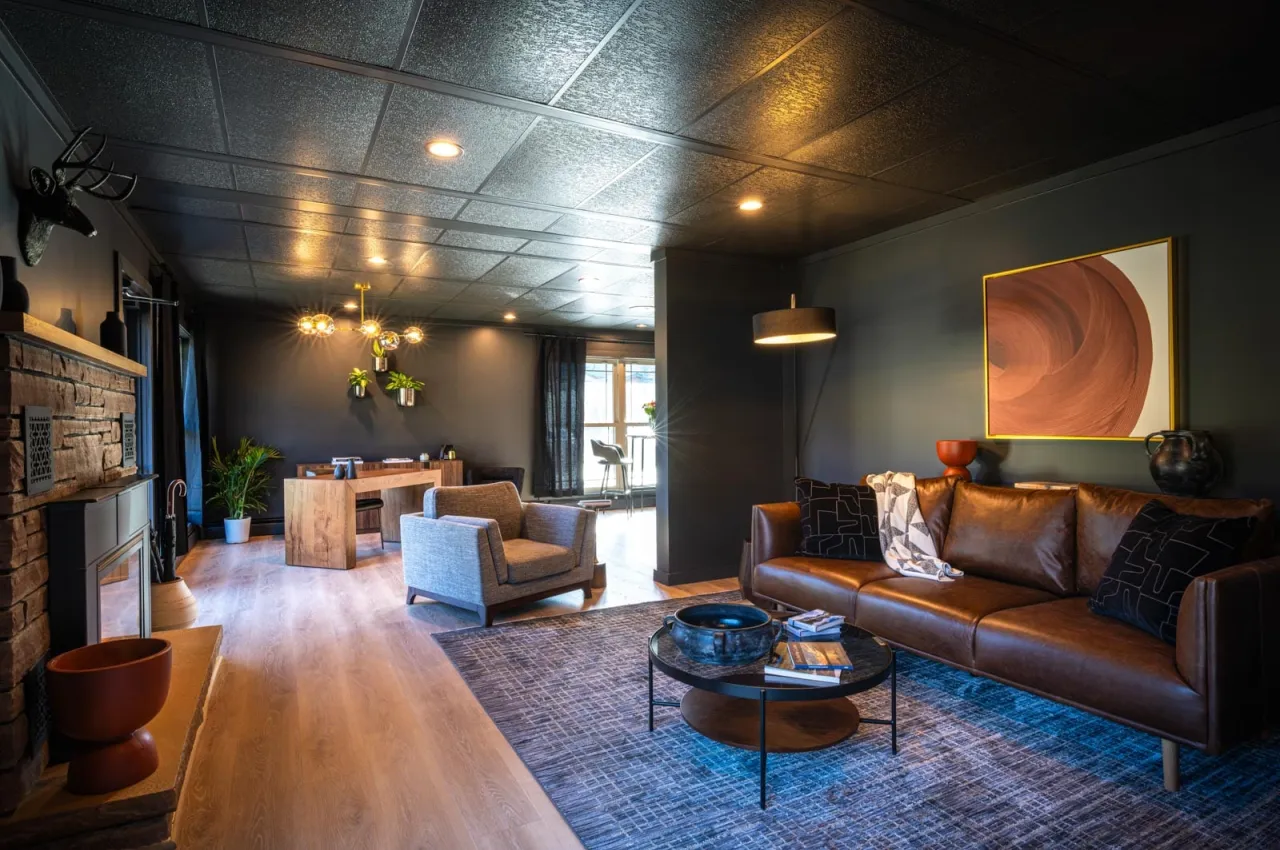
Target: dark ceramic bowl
<point x="723" y="634"/>
<point x="105" y="691"/>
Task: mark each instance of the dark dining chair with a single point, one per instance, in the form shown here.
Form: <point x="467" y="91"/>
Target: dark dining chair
<point x="372" y="504"/>
<point x="609" y="456"/>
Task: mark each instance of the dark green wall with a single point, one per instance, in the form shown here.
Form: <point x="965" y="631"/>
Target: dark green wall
<point x="908" y="366"/>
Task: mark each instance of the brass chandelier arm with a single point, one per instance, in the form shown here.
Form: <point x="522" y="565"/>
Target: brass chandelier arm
<point x="323" y="325"/>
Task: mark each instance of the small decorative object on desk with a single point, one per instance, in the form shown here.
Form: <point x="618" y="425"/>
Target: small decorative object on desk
<point x="1185" y="463"/>
<point x="424" y="457"/>
<point x="957" y="455"/>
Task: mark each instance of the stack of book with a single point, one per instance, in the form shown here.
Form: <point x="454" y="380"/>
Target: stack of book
<point x="810" y="650"/>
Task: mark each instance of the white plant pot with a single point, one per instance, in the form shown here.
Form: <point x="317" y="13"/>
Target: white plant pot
<point x="237" y="530"/>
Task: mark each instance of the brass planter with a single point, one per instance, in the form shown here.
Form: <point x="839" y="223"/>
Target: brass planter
<point x="406" y="397"/>
<point x="379" y="364"/>
<point x="360" y="390"/>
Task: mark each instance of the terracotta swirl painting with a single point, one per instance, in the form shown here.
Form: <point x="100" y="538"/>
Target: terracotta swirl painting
<point x="1082" y="348"/>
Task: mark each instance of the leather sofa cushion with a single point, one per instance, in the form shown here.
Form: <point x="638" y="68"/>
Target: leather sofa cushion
<point x="528" y="560"/>
<point x="935" y="497"/>
<point x="1104" y="513"/>
<point x="808" y="582"/>
<point x="937" y="618"/>
<point x="1062" y="650"/>
<point x="1025" y="537"/>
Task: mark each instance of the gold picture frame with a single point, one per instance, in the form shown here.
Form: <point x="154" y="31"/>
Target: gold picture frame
<point x="1019" y="320"/>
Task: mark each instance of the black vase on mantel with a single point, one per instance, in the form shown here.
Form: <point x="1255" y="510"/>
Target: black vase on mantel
<point x="1185" y="463"/>
<point x="15" y="298"/>
<point x="111" y="334"/>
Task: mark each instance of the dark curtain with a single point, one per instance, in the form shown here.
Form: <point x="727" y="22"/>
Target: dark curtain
<point x="561" y="378"/>
<point x="166" y="388"/>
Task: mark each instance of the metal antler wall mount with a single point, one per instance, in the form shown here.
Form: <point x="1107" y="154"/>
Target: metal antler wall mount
<point x="51" y="198"/>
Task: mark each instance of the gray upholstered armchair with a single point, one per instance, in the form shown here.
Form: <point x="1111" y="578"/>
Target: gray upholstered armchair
<point x="481" y="548"/>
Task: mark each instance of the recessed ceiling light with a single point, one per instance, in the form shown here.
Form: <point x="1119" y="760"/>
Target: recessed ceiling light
<point x="350" y="305"/>
<point x="588" y="279"/>
<point x="444" y="148"/>
<point x="378" y="261"/>
<point x="642" y="325"/>
<point x="510" y="317"/>
<point x="751" y="205"/>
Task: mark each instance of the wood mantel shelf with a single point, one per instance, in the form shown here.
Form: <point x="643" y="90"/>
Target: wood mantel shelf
<point x="27" y="326"/>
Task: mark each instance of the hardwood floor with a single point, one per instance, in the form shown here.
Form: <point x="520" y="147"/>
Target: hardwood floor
<point x="338" y="722"/>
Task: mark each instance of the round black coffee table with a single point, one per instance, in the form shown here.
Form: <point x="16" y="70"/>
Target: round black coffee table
<point x="731" y="704"/>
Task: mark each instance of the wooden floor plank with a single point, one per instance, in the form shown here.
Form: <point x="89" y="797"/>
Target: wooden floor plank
<point x="339" y="722"/>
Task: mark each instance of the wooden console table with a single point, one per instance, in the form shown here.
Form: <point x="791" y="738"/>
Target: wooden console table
<point x="320" y="513"/>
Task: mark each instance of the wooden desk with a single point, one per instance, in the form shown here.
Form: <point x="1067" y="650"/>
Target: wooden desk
<point x="320" y="513"/>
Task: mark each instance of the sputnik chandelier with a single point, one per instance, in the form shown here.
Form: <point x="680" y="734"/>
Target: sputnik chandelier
<point x="322" y="325"/>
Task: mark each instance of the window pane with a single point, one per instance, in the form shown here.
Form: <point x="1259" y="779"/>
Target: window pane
<point x="592" y="469"/>
<point x="598" y="393"/>
<point x="640" y="390"/>
<point x="642" y="449"/>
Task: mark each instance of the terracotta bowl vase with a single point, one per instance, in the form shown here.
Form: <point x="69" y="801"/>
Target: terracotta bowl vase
<point x="102" y="696"/>
<point x="957" y="455"/>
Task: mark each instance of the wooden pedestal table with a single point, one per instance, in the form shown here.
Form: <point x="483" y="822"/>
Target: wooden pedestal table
<point x="320" y="513"/>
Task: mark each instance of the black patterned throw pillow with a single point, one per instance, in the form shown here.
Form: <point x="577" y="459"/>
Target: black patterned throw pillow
<point x="838" y="520"/>
<point x="1159" y="556"/>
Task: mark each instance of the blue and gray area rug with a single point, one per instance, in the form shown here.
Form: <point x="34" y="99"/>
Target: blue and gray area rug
<point x="979" y="764"/>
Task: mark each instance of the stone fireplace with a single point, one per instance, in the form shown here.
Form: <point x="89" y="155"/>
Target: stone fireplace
<point x="85" y="390"/>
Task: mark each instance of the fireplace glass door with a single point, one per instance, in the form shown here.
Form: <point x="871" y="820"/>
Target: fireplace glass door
<point x="123" y="593"/>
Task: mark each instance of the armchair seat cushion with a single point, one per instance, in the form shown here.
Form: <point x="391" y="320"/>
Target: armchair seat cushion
<point x="529" y="560"/>
<point x="1063" y="650"/>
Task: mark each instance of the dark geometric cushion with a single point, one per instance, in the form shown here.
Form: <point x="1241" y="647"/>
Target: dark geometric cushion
<point x="838" y="520"/>
<point x="1159" y="556"/>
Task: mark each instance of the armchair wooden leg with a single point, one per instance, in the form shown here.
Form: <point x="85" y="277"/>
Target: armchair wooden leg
<point x="1169" y="750"/>
<point x="486" y="616"/>
<point x="586" y="591"/>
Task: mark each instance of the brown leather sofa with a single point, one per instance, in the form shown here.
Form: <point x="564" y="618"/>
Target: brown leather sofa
<point x="1031" y="559"/>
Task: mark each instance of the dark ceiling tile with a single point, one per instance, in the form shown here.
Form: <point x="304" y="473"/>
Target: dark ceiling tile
<point x="295" y="247"/>
<point x="559" y="318"/>
<point x="293" y="218"/>
<point x="174" y="10"/>
<point x="1005" y="15"/>
<point x="779" y="190"/>
<point x="542" y="300"/>
<point x="462" y="311"/>
<point x="175" y="169"/>
<point x="287" y="112"/>
<point x="638" y="286"/>
<point x="181" y="204"/>
<point x="660" y="236"/>
<point x="665" y="182"/>
<point x="639" y="256"/>
<point x="324" y="190"/>
<point x="415" y="116"/>
<point x="494" y="296"/>
<point x="455" y="263"/>
<point x="237" y="297"/>
<point x="595" y="303"/>
<point x="221" y="273"/>
<point x="197" y="237"/>
<point x="278" y="276"/>
<point x="407" y="201"/>
<point x="428" y="289"/>
<point x="597" y="321"/>
<point x="562" y="163"/>
<point x="559" y="250"/>
<point x="125" y="82"/>
<point x="484" y="241"/>
<point x="852" y="66"/>
<point x="673" y="59"/>
<point x="370" y="34"/>
<point x="586" y="277"/>
<point x="392" y="230"/>
<point x="525" y="271"/>
<point x="594" y="228"/>
<point x="401" y="257"/>
<point x="961" y="100"/>
<point x="507" y="216"/>
<point x="525" y="48"/>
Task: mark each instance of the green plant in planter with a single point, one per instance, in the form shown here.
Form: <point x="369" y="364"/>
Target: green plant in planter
<point x="237" y="479"/>
<point x="358" y="378"/>
<point x="378" y="350"/>
<point x="401" y="381"/>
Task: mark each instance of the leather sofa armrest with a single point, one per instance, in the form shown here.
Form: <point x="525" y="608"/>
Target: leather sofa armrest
<point x="1228" y="648"/>
<point x="775" y="531"/>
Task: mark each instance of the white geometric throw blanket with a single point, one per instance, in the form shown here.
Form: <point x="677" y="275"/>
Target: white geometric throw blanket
<point x="904" y="537"/>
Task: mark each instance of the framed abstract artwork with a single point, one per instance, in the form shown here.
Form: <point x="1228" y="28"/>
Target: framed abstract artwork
<point x="1082" y="349"/>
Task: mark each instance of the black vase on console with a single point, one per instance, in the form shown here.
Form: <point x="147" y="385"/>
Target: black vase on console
<point x="1185" y="463"/>
<point x="111" y="334"/>
<point x="15" y="298"/>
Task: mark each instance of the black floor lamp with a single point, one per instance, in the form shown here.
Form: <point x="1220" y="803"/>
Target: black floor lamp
<point x="793" y="327"/>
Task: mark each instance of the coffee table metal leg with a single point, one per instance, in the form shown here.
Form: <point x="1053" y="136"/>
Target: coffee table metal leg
<point x="764" y="752"/>
<point x="650" y="694"/>
<point x="893" y="697"/>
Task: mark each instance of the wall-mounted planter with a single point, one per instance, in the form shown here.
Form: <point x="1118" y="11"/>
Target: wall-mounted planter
<point x="360" y="390"/>
<point x="406" y="397"/>
<point x="380" y="364"/>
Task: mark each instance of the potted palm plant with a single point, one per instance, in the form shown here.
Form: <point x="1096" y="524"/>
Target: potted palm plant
<point x="239" y="483"/>
<point x="359" y="381"/>
<point x="406" y="388"/>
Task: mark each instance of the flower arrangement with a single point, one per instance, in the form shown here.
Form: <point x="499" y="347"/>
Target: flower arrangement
<point x="651" y="410"/>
